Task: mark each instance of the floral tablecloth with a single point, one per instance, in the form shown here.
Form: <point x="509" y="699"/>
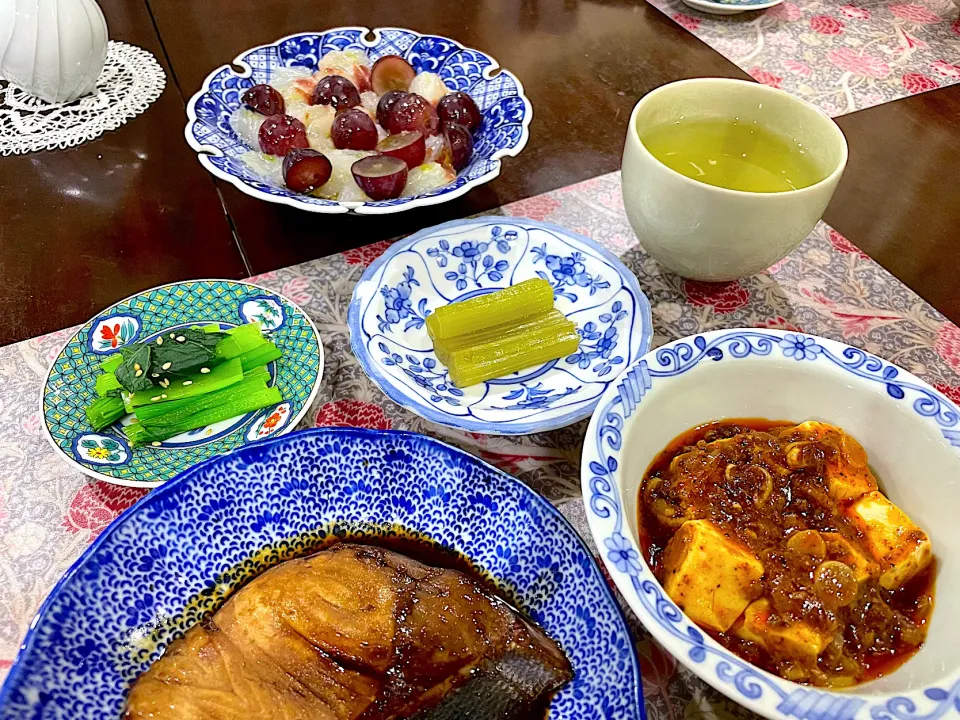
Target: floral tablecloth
<point x="841" y="55"/>
<point x="49" y="512"/>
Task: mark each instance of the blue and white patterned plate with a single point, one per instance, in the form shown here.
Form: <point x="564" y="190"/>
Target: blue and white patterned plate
<point x="70" y="383"/>
<point x="465" y="258"/>
<point x="730" y="7"/>
<point x="498" y="93"/>
<point x="172" y="558"/>
<point x="911" y="434"/>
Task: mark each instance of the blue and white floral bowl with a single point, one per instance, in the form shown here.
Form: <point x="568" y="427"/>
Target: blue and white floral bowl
<point x="911" y="434"/>
<point x="465" y="258"/>
<point x="730" y="7"/>
<point x="175" y="555"/>
<point x="70" y="385"/>
<point x="507" y="112"/>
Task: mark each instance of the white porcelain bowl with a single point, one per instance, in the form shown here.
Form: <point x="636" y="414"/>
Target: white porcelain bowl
<point x="712" y="233"/>
<point x="911" y="434"/>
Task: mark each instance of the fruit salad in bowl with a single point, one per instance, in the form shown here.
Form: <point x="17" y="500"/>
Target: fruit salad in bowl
<point x="350" y="120"/>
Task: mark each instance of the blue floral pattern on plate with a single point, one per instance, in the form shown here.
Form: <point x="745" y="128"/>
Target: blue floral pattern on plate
<point x="174" y="556"/>
<point x="465" y="258"/>
<point x="498" y="93"/>
<point x="607" y="513"/>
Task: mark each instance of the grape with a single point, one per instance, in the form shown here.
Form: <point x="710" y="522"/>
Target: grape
<point x="391" y="72"/>
<point x="461" y="144"/>
<point x="407" y="146"/>
<point x="336" y="90"/>
<point x="305" y="169"/>
<point x="354" y="130"/>
<point x="280" y="134"/>
<point x="386" y="104"/>
<point x="412" y="112"/>
<point x="264" y="100"/>
<point x="381" y="177"/>
<point x="458" y="108"/>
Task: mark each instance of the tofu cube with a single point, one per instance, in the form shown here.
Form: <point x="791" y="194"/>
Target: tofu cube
<point x="842" y="550"/>
<point x="900" y="547"/>
<point x="796" y="640"/>
<point x="709" y="574"/>
<point x="847" y="474"/>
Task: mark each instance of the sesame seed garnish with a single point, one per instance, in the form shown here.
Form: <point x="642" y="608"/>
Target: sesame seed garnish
<point x="154" y="374"/>
<point x="138" y="373"/>
<point x="187" y="382"/>
<point x="204" y="370"/>
<point x="165" y="383"/>
<point x="166" y="366"/>
<point x="173" y="335"/>
<point x="164" y="396"/>
<point x="160" y="341"/>
<point x="136" y="366"/>
<point x="155" y="443"/>
<point x="181" y="338"/>
<point x="155" y="398"/>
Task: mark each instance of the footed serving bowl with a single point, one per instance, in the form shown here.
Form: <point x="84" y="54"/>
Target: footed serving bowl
<point x="912" y="437"/>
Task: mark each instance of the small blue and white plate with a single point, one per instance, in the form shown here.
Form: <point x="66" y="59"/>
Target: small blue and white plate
<point x="507" y="112"/>
<point x="70" y="384"/>
<point x="462" y="259"/>
<point x="172" y="558"/>
<point x="730" y="7"/>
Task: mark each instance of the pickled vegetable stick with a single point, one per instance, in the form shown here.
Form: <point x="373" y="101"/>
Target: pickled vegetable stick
<point x="476" y="363"/>
<point x="530" y="297"/>
<point x="443" y="348"/>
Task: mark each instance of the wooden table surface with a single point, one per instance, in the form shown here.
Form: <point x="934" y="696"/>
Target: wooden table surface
<point x="84" y="227"/>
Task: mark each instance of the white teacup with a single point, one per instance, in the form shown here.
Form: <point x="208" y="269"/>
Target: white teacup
<point x="706" y="232"/>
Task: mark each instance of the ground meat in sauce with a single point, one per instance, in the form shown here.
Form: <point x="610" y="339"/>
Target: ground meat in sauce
<point x="737" y="475"/>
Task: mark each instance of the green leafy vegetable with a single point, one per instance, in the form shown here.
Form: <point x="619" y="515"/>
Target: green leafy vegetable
<point x="133" y="373"/>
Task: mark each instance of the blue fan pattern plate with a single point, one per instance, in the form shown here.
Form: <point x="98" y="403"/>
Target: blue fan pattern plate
<point x="171" y="559"/>
<point x="465" y="258"/>
<point x="70" y="384"/>
<point x="498" y="93"/>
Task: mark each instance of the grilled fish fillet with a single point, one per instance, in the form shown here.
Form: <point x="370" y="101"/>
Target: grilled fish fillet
<point x="354" y="633"/>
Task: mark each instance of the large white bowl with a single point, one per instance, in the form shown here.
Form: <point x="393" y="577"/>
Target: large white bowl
<point x="911" y="434"/>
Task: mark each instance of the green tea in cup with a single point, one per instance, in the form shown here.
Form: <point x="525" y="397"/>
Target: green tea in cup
<point x="733" y="154"/>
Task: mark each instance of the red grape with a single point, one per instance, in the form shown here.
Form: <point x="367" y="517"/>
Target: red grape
<point x="279" y="134"/>
<point x="264" y="100"/>
<point x="411" y="147"/>
<point x="336" y="90"/>
<point x="391" y="72"/>
<point x="305" y="169"/>
<point x="354" y="130"/>
<point x="458" y="108"/>
<point x="380" y="176"/>
<point x="412" y="112"/>
<point x="461" y="144"/>
<point x="386" y="104"/>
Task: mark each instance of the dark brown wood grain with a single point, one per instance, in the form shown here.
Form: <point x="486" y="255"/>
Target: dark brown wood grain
<point x="84" y="227"/>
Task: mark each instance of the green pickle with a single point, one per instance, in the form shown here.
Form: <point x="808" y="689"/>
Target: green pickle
<point x="501" y="356"/>
<point x="507" y="306"/>
<point x="444" y="348"/>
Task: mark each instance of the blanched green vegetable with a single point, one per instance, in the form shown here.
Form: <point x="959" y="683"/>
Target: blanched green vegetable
<point x="507" y="306"/>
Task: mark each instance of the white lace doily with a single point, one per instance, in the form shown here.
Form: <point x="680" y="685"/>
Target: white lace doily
<point x="131" y="80"/>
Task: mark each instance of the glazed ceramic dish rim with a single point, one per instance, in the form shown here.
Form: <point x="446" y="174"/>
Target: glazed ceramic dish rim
<point x="354" y="321"/>
<point x="736" y="678"/>
<point x="360" y="208"/>
<point x="749" y="86"/>
<point x="90" y="472"/>
<point x="734" y="8"/>
<point x="187" y="475"/>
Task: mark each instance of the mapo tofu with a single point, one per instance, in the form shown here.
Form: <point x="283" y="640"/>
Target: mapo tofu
<point x="775" y="539"/>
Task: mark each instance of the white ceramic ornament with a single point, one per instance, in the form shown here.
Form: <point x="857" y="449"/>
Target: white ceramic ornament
<point x="54" y="49"/>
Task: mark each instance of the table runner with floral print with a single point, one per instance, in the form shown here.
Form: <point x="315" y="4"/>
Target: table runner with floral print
<point x="840" y="55"/>
<point x="49" y="512"/>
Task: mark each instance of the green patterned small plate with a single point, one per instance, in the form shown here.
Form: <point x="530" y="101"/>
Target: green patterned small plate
<point x="107" y="455"/>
